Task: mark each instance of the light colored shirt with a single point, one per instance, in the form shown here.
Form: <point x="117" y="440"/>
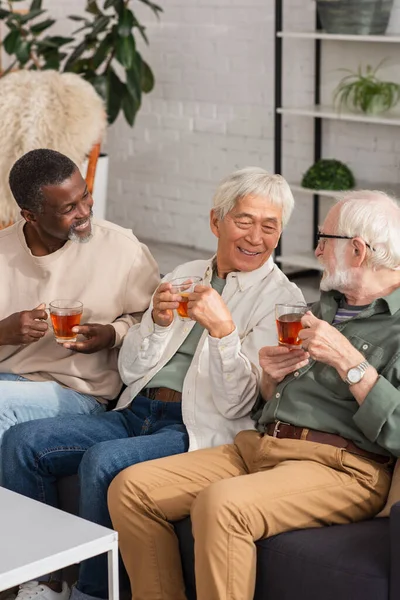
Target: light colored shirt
<point x="173" y="374"/>
<point x="112" y="274"/>
<point x="317" y="398"/>
<point x="221" y="384"/>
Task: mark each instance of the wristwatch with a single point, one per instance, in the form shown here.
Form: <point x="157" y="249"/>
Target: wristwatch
<point x="355" y="374"/>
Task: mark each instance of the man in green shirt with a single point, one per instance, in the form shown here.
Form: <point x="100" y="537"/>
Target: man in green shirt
<point x="327" y="428"/>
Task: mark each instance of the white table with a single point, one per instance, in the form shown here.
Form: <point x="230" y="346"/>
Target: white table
<point x="36" y="539"/>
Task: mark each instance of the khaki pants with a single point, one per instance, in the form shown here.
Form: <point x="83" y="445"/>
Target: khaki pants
<point x="236" y="494"/>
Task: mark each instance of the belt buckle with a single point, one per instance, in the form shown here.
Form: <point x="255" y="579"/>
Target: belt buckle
<point x="276" y="429"/>
<point x="277" y="426"/>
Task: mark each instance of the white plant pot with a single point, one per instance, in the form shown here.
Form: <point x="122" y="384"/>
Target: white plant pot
<point x="100" y="186"/>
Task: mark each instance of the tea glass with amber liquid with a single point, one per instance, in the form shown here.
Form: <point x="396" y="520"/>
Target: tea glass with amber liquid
<point x="288" y="322"/>
<point x="65" y="314"/>
<point x="184" y="286"/>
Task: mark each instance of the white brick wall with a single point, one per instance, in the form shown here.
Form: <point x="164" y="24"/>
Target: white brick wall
<point x="211" y="112"/>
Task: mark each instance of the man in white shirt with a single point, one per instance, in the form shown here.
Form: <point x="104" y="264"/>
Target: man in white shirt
<point x="190" y="384"/>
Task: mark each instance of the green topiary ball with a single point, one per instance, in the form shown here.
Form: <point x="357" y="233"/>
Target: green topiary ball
<point x="328" y="174"/>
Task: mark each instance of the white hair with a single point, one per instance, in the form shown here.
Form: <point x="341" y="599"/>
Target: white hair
<point x="375" y="217"/>
<point x="253" y="181"/>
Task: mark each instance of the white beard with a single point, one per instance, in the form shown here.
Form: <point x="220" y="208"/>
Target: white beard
<point x="74" y="237"/>
<point x="340" y="280"/>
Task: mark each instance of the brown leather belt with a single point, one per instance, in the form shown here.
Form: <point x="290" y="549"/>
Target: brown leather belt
<point x="285" y="430"/>
<point x="162" y="394"/>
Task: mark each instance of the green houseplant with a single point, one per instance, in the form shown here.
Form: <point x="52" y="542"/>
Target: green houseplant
<point x="364" y="91"/>
<point x="328" y="174"/>
<point x="103" y="50"/>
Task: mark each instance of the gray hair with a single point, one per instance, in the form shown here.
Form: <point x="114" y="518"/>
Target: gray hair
<point x="253" y="181"/>
<point x="375" y="217"/>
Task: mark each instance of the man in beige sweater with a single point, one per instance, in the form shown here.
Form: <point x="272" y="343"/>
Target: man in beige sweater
<point x="56" y="251"/>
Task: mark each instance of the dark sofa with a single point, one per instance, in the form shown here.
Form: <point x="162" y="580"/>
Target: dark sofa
<point x="360" y="561"/>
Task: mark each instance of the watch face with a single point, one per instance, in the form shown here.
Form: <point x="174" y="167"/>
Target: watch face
<point x="354" y="375"/>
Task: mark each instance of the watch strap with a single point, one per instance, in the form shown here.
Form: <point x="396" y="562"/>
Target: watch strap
<point x="362" y="367"/>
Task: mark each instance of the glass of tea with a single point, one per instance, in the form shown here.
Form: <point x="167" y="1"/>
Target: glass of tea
<point x="65" y="314"/>
<point x="184" y="286"/>
<point x="288" y="322"/>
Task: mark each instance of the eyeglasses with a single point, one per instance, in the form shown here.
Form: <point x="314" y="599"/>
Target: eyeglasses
<point x="323" y="236"/>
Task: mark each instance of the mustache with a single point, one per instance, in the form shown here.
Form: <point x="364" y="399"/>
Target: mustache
<point x="82" y="221"/>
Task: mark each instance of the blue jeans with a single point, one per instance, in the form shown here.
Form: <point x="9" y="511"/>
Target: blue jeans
<point x="97" y="447"/>
<point x="23" y="400"/>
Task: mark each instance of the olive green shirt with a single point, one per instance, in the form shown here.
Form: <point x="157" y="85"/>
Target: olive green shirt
<point x="317" y="398"/>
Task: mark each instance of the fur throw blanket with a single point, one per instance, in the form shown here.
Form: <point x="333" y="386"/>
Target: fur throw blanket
<point x="45" y="109"/>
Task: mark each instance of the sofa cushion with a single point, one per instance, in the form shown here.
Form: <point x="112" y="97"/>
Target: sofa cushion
<point x="68" y="494"/>
<point x="342" y="561"/>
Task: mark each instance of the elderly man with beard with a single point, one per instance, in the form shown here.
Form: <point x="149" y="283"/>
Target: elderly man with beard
<point x="54" y="252"/>
<point x="327" y="427"/>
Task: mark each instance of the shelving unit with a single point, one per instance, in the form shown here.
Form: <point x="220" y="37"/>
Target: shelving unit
<point x="388" y="188"/>
<point x="319" y="113"/>
<point x="329" y="112"/>
<point x="338" y="37"/>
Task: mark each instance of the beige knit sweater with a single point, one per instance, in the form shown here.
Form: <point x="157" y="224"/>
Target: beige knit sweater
<point x="113" y="275"/>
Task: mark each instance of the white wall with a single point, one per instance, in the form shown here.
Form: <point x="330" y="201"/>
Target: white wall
<point x="211" y="112"/>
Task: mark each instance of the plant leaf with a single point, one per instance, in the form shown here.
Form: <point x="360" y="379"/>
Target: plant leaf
<point x="77" y="53"/>
<point x="125" y="51"/>
<point x="31" y="15"/>
<point x="42" y="26"/>
<point x="125" y="23"/>
<point x="92" y="8"/>
<point x="133" y="84"/>
<point x="117" y="4"/>
<point x="60" y="40"/>
<point x="35" y="4"/>
<point x="102" y="51"/>
<point x="86" y="26"/>
<point x="52" y="61"/>
<point x="141" y="28"/>
<point x="147" y="81"/>
<point x="77" y="18"/>
<point x="130" y="107"/>
<point x="100" y="85"/>
<point x="23" y="51"/>
<point x="99" y="25"/>
<point x="115" y="91"/>
<point x="154" y="7"/>
<point x="11" y="41"/>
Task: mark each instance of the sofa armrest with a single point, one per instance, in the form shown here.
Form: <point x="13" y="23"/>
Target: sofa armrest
<point x="395" y="552"/>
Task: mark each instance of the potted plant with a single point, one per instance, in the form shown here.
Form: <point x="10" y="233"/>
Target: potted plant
<point x="328" y="174"/>
<point x="355" y="17"/>
<point x="365" y="92"/>
<point x="102" y="50"/>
